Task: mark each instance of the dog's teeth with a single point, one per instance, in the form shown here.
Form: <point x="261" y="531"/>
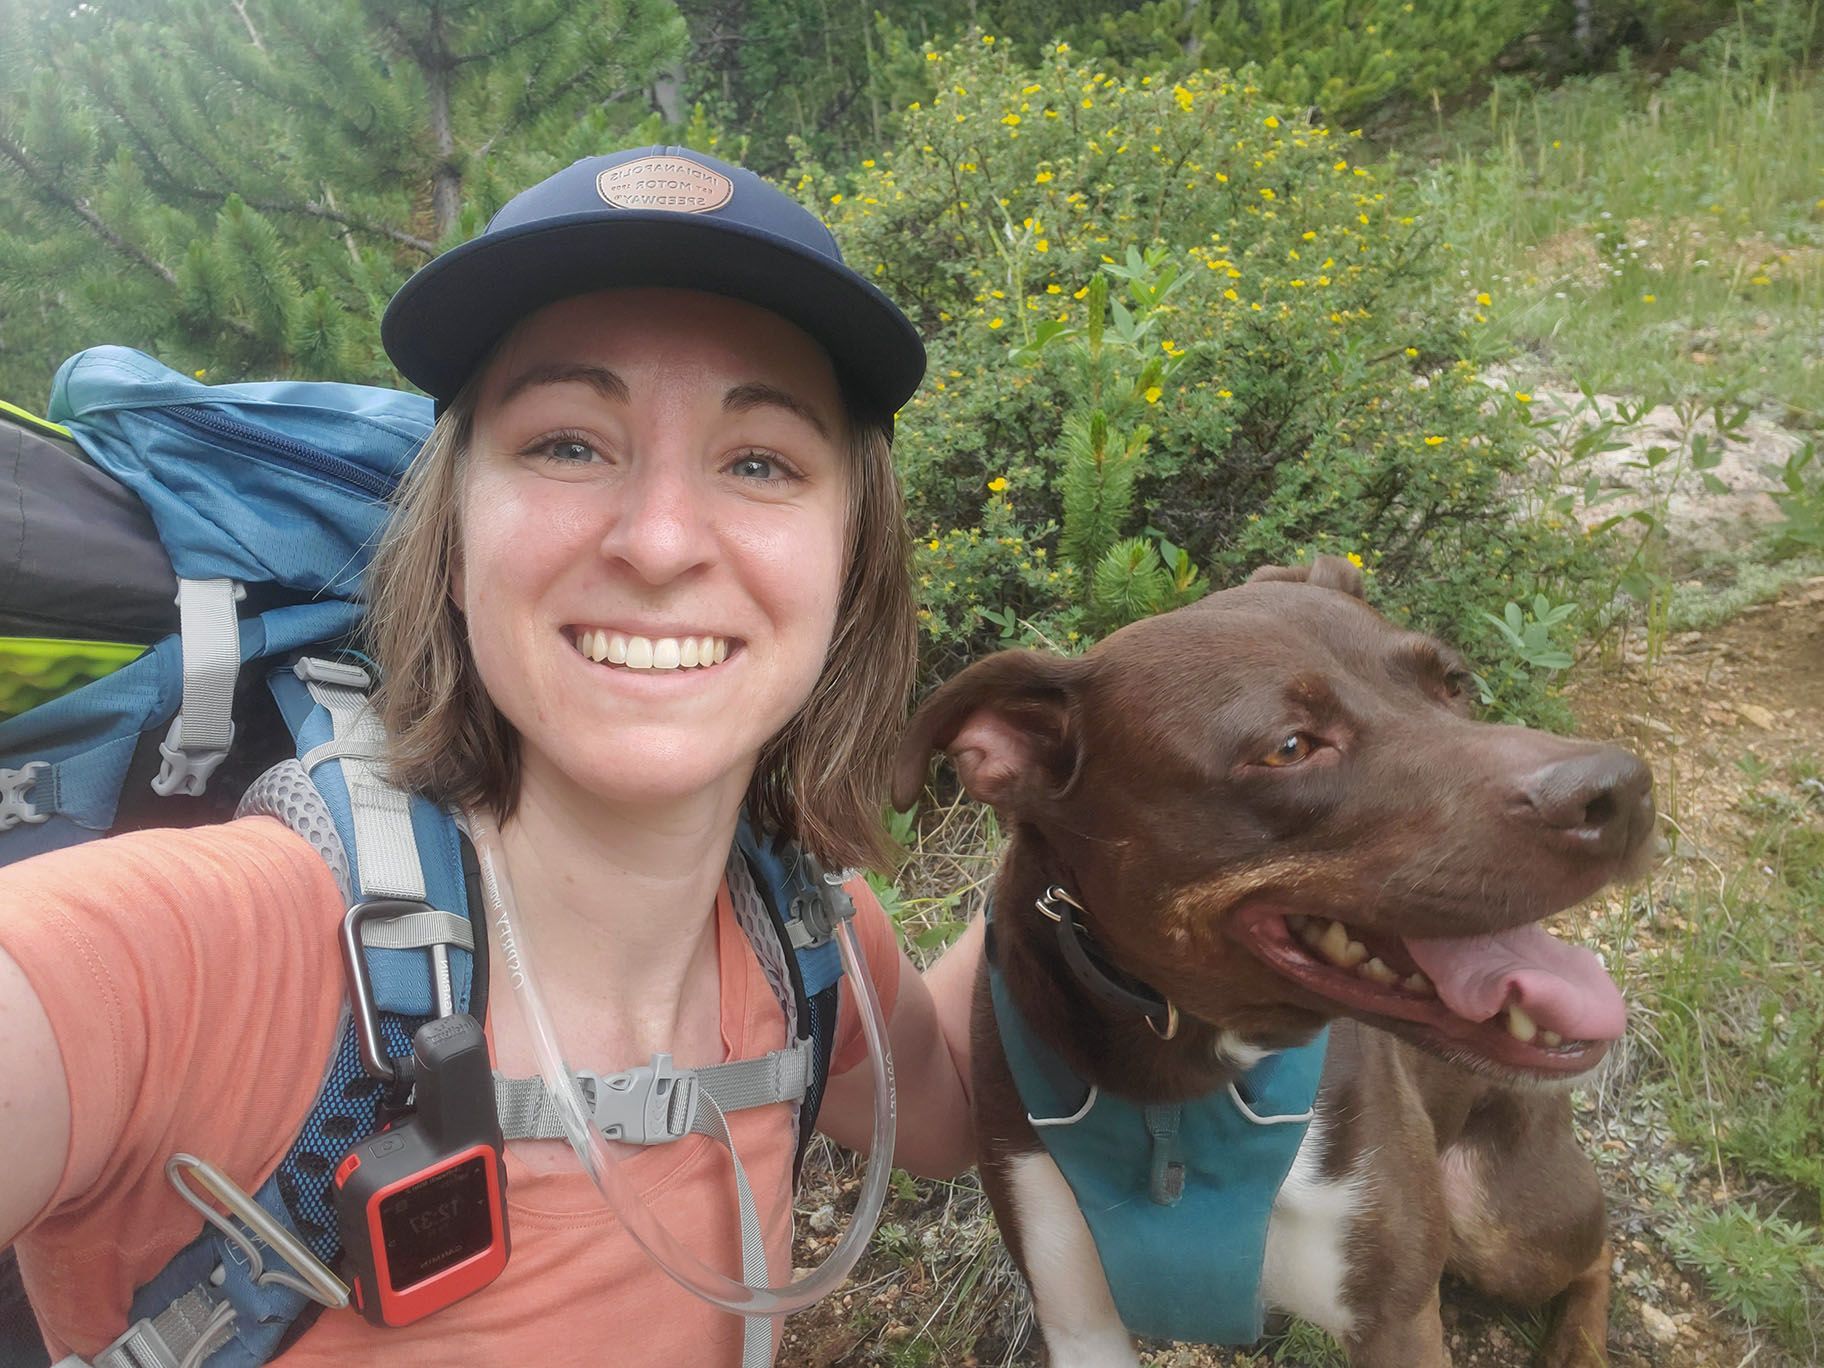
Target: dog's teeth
<point x="1376" y="971"/>
<point x="1551" y="1039"/>
<point x="1353" y="954"/>
<point x="1417" y="983"/>
<point x="1520" y="1025"/>
<point x="1334" y="943"/>
<point x="1311" y="933"/>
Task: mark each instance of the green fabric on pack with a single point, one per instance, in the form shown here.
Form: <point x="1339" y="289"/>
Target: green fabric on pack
<point x="35" y="670"/>
<point x="1184" y="1266"/>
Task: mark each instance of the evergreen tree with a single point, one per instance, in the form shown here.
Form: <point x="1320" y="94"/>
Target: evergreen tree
<point x="240" y="187"/>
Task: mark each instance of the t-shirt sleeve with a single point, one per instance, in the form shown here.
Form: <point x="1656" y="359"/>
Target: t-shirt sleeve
<point x="192" y="982"/>
<point x="880" y="947"/>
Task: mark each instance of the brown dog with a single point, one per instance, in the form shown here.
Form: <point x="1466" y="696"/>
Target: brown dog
<point x="1273" y="811"/>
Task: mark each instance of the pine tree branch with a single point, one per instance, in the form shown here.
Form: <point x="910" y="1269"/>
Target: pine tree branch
<point x="308" y="208"/>
<point x="47" y="186"/>
<point x="507" y="44"/>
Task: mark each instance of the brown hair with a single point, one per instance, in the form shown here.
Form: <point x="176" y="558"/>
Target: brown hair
<point x="821" y="781"/>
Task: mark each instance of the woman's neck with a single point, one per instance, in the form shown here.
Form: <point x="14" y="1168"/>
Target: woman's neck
<point x="619" y="906"/>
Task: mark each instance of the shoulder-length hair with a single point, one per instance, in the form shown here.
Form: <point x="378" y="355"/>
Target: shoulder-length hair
<point x="822" y="780"/>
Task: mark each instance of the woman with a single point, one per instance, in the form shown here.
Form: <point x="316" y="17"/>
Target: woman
<point x="648" y="569"/>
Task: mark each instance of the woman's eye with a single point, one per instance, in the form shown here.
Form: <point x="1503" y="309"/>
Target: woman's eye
<point x="755" y="466"/>
<point x="566" y="451"/>
<point x="1290" y="751"/>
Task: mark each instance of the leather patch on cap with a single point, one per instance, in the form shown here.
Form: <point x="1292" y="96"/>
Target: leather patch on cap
<point x="665" y="183"/>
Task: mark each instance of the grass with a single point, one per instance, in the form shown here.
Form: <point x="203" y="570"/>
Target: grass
<point x="1729" y="1011"/>
<point x="1650" y="236"/>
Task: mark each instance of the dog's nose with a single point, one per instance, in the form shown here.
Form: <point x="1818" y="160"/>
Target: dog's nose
<point x="1601" y="800"/>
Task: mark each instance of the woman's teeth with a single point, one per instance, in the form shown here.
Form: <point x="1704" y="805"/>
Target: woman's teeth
<point x="652" y="653"/>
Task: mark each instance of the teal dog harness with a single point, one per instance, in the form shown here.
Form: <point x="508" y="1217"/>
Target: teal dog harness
<point x="1177" y="1196"/>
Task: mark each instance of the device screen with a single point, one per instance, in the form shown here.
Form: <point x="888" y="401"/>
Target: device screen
<point x="436" y="1223"/>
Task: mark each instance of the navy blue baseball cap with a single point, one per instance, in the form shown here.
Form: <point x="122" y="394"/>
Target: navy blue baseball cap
<point x="650" y="217"/>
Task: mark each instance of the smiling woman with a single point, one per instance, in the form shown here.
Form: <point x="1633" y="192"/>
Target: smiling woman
<point x="644" y="586"/>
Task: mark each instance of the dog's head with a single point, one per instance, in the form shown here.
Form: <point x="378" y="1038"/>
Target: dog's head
<point x="1275" y="808"/>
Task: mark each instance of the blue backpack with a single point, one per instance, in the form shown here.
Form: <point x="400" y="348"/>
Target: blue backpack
<point x="264" y="503"/>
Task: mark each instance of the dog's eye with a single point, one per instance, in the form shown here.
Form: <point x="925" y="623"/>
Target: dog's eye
<point x="1290" y="751"/>
<point x="1458" y="683"/>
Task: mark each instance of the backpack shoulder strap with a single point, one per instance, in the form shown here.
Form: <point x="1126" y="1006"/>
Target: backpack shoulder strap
<point x="803" y="907"/>
<point x="379" y="842"/>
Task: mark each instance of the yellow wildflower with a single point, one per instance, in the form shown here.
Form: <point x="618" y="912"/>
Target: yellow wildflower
<point x="1271" y="121"/>
<point x="1152" y="394"/>
<point x="1434" y="441"/>
<point x="997" y="484"/>
<point x="996" y="322"/>
<point x="1355" y="560"/>
<point x="1230" y="295"/>
<point x="1483" y="299"/>
<point x="1523" y="396"/>
<point x="1042" y="178"/>
<point x="1054" y="288"/>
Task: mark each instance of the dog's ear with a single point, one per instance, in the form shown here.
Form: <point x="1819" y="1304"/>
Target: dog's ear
<point x="1008" y="724"/>
<point x="1326" y="572"/>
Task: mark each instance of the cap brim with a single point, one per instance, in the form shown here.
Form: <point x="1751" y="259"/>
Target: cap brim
<point x="447" y="318"/>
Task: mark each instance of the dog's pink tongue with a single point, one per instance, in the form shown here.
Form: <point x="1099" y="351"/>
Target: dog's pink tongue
<point x="1563" y="988"/>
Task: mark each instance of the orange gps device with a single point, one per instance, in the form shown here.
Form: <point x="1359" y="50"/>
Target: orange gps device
<point x="421" y="1206"/>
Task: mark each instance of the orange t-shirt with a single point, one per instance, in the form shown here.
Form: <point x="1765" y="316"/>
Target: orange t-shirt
<point x="194" y="986"/>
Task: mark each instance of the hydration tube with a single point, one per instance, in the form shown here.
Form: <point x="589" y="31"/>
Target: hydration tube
<point x="599" y="1162"/>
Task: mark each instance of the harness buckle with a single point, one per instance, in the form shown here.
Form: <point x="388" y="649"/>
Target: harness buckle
<point x="15" y="807"/>
<point x="651" y="1104"/>
<point x="182" y="772"/>
<point x="341" y="673"/>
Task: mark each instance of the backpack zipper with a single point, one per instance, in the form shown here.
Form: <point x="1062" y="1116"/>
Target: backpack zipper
<point x="245" y="434"/>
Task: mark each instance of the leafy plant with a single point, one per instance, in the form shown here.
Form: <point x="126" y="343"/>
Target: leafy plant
<point x="1801" y="500"/>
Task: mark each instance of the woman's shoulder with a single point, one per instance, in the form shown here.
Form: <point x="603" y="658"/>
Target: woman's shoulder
<point x="189" y="901"/>
<point x="250" y="852"/>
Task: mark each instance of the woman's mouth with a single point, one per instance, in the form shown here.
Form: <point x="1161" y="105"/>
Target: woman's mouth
<point x="628" y="651"/>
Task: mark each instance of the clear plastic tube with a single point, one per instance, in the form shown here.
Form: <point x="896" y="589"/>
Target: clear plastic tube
<point x="516" y="965"/>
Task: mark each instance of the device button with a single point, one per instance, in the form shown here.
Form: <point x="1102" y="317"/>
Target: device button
<point x="386" y="1145"/>
<point x="347" y="1166"/>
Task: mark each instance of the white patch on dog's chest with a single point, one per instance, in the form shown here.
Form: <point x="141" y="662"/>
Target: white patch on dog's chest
<point x="1308" y="1238"/>
<point x="1069" y="1291"/>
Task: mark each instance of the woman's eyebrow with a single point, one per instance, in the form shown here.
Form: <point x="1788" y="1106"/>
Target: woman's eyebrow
<point x="757" y="395"/>
<point x="599" y="378"/>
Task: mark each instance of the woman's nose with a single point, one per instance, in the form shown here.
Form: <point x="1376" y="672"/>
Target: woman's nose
<point x="661" y="526"/>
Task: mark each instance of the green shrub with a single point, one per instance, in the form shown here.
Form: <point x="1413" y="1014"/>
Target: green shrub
<point x="1287" y="331"/>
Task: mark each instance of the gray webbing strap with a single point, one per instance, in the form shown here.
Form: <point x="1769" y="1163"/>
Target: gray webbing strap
<point x="183" y="1334"/>
<point x="656" y="1103"/>
<point x="203" y="729"/>
<point x="416" y="930"/>
<point x="756" y="1331"/>
<point x="626" y="1109"/>
<point x="386" y="853"/>
<point x="386" y="848"/>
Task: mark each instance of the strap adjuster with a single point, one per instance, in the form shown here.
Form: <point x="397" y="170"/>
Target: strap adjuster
<point x="652" y="1104"/>
<point x="182" y="772"/>
<point x="341" y="673"/>
<point x="15" y="807"/>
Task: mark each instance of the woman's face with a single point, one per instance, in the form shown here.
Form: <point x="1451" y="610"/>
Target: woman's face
<point x="652" y="538"/>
